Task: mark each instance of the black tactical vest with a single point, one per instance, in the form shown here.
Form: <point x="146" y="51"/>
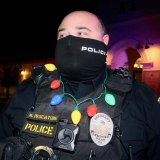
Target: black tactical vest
<point x="44" y="121"/>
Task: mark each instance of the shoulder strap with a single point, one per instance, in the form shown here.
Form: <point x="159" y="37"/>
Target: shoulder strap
<point x="119" y="81"/>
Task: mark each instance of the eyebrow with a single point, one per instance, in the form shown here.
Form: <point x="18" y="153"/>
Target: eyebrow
<point x="83" y="28"/>
<point x="62" y="29"/>
<point x="79" y="28"/>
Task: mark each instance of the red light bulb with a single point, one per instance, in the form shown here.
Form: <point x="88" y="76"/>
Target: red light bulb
<point x="55" y="84"/>
<point x="91" y="110"/>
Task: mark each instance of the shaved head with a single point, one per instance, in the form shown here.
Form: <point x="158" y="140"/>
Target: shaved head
<point x="88" y="17"/>
<point x="83" y="24"/>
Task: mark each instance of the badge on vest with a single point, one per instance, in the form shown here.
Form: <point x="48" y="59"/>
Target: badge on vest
<point x="101" y="129"/>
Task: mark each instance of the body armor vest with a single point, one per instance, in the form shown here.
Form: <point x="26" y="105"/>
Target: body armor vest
<point x="43" y="121"/>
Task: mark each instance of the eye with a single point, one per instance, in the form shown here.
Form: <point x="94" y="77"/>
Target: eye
<point x="82" y="34"/>
<point x="61" y="35"/>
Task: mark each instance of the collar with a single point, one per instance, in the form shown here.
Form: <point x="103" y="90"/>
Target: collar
<point x="81" y="89"/>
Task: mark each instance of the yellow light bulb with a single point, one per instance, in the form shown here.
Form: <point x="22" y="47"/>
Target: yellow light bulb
<point x="76" y="117"/>
<point x="50" y="67"/>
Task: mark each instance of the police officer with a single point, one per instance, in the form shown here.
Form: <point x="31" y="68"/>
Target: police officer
<point x="79" y="108"/>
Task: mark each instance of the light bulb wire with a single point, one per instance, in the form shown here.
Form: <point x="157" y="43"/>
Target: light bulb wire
<point x="76" y="107"/>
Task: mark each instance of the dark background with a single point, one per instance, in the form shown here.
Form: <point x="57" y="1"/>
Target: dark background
<point x="28" y="30"/>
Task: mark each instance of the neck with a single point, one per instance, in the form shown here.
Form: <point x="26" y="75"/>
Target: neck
<point x="81" y="89"/>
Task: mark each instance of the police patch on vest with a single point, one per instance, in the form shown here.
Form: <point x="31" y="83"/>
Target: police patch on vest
<point x="44" y="129"/>
<point x="101" y="129"/>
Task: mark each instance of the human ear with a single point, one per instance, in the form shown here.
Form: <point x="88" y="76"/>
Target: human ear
<point x="106" y="39"/>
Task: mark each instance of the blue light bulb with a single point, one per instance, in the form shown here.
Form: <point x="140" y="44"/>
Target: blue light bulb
<point x="57" y="99"/>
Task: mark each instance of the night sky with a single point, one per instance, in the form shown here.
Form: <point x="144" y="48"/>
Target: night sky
<point x="28" y="31"/>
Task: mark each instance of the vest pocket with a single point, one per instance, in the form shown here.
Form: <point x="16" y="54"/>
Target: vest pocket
<point x="133" y="139"/>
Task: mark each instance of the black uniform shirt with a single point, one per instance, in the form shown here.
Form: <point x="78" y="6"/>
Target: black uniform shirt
<point x="139" y="122"/>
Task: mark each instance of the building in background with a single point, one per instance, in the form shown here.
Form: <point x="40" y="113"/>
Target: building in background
<point x="133" y="27"/>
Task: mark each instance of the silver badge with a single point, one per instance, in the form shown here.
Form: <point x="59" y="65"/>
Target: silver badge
<point x="101" y="129"/>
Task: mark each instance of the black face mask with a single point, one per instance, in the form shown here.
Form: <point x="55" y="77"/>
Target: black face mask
<point x="80" y="59"/>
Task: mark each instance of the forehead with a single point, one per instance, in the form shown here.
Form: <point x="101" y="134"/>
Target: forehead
<point x="75" y="20"/>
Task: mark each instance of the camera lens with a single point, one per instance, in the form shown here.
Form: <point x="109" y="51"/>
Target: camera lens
<point x="65" y="136"/>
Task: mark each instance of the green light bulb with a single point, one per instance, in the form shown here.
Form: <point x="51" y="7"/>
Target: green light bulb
<point x="110" y="99"/>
